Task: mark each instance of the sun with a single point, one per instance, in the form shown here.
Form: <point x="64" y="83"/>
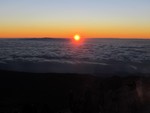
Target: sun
<point x="77" y="37"/>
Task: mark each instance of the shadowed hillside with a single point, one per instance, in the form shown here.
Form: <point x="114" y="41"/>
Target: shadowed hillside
<point x="73" y="93"/>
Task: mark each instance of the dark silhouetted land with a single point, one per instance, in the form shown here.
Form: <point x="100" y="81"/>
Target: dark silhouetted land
<point x="73" y="93"/>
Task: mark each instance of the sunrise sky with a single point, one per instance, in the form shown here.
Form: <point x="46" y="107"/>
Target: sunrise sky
<point x="64" y="18"/>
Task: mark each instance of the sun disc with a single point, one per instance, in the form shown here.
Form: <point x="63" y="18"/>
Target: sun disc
<point x="76" y="37"/>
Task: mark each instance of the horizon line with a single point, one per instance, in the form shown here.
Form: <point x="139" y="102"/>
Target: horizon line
<point x="68" y="38"/>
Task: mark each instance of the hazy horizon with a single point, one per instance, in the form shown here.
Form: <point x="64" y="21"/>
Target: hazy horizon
<point x="72" y="37"/>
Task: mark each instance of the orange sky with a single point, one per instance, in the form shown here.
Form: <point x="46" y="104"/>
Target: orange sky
<point x="90" y="19"/>
<point x="68" y="31"/>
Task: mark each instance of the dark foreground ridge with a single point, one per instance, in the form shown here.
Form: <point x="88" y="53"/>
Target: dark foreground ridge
<point x="73" y="93"/>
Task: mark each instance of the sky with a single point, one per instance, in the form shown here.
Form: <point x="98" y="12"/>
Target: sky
<point x="64" y="18"/>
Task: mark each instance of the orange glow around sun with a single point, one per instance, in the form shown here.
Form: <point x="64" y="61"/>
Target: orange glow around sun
<point x="77" y="37"/>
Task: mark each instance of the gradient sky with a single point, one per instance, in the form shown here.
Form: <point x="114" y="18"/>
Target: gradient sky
<point x="64" y="18"/>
